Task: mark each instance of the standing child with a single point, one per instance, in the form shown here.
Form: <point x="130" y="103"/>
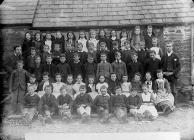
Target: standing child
<point x="56" y="52"/>
<point x="118" y="104"/>
<point x="136" y="83"/>
<point x="142" y="53"/>
<point x="102" y="105"/>
<point x="27" y="44"/>
<point x="149" y="34"/>
<point x="123" y="37"/>
<point x="69" y="85"/>
<point x="83" y="104"/>
<point x="112" y="83"/>
<point x="45" y="53"/>
<point x="30" y="62"/>
<point x="63" y="67"/>
<point x="48" y="105"/>
<point x="114" y="50"/>
<point x="93" y="39"/>
<point x="37" y="43"/>
<point x="65" y="103"/>
<point x="101" y="83"/>
<point x="18" y="86"/>
<point x="69" y="50"/>
<point x="156" y="48"/>
<point x="60" y="40"/>
<point x="77" y="85"/>
<point x="76" y="65"/>
<point x="82" y="39"/>
<point x="104" y="68"/>
<point x="102" y="38"/>
<point x="102" y="49"/>
<point x="91" y="87"/>
<point x="113" y="37"/>
<point x="91" y="51"/>
<point x="119" y="67"/>
<point x="57" y="85"/>
<point x="126" y="86"/>
<point x="127" y="52"/>
<point x="31" y="101"/>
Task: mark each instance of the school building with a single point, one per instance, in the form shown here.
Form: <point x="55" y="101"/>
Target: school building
<point x="171" y="19"/>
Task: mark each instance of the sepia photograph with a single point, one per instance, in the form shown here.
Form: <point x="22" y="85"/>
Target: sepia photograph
<point x="97" y="69"/>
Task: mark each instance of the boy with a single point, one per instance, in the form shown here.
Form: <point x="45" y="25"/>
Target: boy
<point x="89" y="67"/>
<point x="152" y="64"/>
<point x="103" y="49"/>
<point x="119" y="107"/>
<point x="118" y="66"/>
<point x="148" y="35"/>
<point x="69" y="52"/>
<point x="48" y="105"/>
<point x="63" y="67"/>
<point x="56" y="52"/>
<point x="102" y="104"/>
<point x="142" y="53"/>
<point x="46" y="81"/>
<point x="171" y="66"/>
<point x="65" y="103"/>
<point x="126" y="54"/>
<point x="136" y="83"/>
<point x="50" y="67"/>
<point x="76" y="65"/>
<point x="134" y="66"/>
<point x="69" y="85"/>
<point x="45" y="53"/>
<point x="32" y="82"/>
<point x="83" y="104"/>
<point x="38" y="69"/>
<point x="134" y="102"/>
<point x="31" y="101"/>
<point x="112" y="83"/>
<point x="91" y="51"/>
<point x="114" y="50"/>
<point x="104" y="68"/>
<point x="17" y="86"/>
<point x="82" y="54"/>
<point x="30" y="62"/>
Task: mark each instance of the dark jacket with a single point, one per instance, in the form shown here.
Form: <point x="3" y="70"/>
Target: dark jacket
<point x="83" y="99"/>
<point x="102" y="101"/>
<point x="31" y="101"/>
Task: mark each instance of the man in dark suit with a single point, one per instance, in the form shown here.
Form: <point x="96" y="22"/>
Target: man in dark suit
<point x="171" y="66"/>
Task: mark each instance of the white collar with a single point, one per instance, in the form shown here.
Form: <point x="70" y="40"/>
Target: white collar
<point x="114" y="38"/>
<point x="124" y="38"/>
<point x="103" y="61"/>
<point x="118" y="61"/>
<point x="169" y="54"/>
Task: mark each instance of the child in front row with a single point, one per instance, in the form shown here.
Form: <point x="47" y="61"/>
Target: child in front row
<point x="126" y="86"/>
<point x="136" y="83"/>
<point x="91" y="87"/>
<point x="83" y="104"/>
<point x="102" y="104"/>
<point x="101" y="83"/>
<point x="112" y="83"/>
<point x="65" y="103"/>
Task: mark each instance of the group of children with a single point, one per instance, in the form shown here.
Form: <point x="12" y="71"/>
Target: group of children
<point x="119" y="76"/>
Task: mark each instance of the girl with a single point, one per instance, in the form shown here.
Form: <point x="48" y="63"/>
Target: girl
<point x="60" y="40"/>
<point x="93" y="39"/>
<point x="91" y="87"/>
<point x="101" y="83"/>
<point x="37" y="42"/>
<point x="82" y="39"/>
<point x="164" y="98"/>
<point x="49" y="42"/>
<point x="123" y="38"/>
<point x="57" y="85"/>
<point x="69" y="85"/>
<point x="113" y="37"/>
<point x="32" y="82"/>
<point x="27" y="44"/>
<point x="147" y="109"/>
<point x="65" y="103"/>
<point x="148" y="81"/>
<point x="126" y="86"/>
<point x="136" y="38"/>
<point x="70" y="39"/>
<point x="156" y="48"/>
<point x="77" y="85"/>
<point x="102" y="38"/>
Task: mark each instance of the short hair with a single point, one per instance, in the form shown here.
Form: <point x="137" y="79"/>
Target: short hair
<point x="63" y="55"/>
<point x="144" y="85"/>
<point x="159" y="71"/>
<point x="62" y="88"/>
<point x="76" y="54"/>
<point x="103" y="53"/>
<point x="152" y="51"/>
<point x="14" y="48"/>
<point x="149" y="26"/>
<point x="50" y="85"/>
<point x="45" y="46"/>
<point x="91" y="43"/>
<point x="137" y="74"/>
<point x="125" y="75"/>
<point x="134" y="53"/>
<point x="117" y="53"/>
<point x="148" y="73"/>
<point x="90" y="56"/>
<point x="82" y="86"/>
<point x="115" y="43"/>
<point x="49" y="55"/>
<point x="103" y="87"/>
<point x="79" y="75"/>
<point x="20" y="61"/>
<point x="91" y="76"/>
<point x="37" y="56"/>
<point x="117" y="87"/>
<point x="69" y="75"/>
<point x="58" y="74"/>
<point x="31" y="85"/>
<point x="142" y="42"/>
<point x="32" y="49"/>
<point x="32" y="76"/>
<point x="79" y="43"/>
<point x="137" y="27"/>
<point x="169" y="42"/>
<point x="113" y="73"/>
<point x="45" y="74"/>
<point x="102" y="43"/>
<point x="127" y="42"/>
<point x="154" y="38"/>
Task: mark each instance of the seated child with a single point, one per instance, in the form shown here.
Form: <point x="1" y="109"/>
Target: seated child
<point x="57" y="85"/>
<point x="102" y="104"/>
<point x="69" y="86"/>
<point x="32" y="82"/>
<point x="126" y="86"/>
<point x="148" y="81"/>
<point x="47" y="106"/>
<point x="64" y="104"/>
<point x="147" y="109"/>
<point x="83" y="104"/>
<point x="31" y="101"/>
<point x="112" y="83"/>
<point x="77" y="85"/>
<point x="91" y="87"/>
<point x="101" y="83"/>
<point x="136" y="83"/>
<point x="118" y="105"/>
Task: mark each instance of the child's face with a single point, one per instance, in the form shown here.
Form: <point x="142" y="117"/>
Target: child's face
<point x="37" y="36"/>
<point x="28" y="36"/>
<point x="127" y="46"/>
<point x="82" y="90"/>
<point x="124" y="34"/>
<point x="57" y="47"/>
<point x="70" y="36"/>
<point x="18" y="50"/>
<point x="79" y="79"/>
<point x="90" y="59"/>
<point x="125" y="78"/>
<point x="91" y="80"/>
<point x="32" y="80"/>
<point x="116" y="47"/>
<point x="59" y="35"/>
<point x="103" y="47"/>
<point x="102" y="33"/>
<point x="142" y="46"/>
<point x="63" y="92"/>
<point x="93" y="35"/>
<point x="38" y="60"/>
<point x="48" y="36"/>
<point x="58" y="78"/>
<point x="46" y="49"/>
<point x="145" y="89"/>
<point x="134" y="57"/>
<point x="70" y="79"/>
<point x="137" y="78"/>
<point x="91" y="47"/>
<point x="134" y="93"/>
<point x="154" y="42"/>
<point x="113" y="33"/>
<point x="149" y="30"/>
<point x="153" y="55"/>
<point x="48" y="90"/>
<point x="45" y="78"/>
<point x="118" y="56"/>
<point x="160" y="75"/>
<point x="103" y="91"/>
<point x="33" y="52"/>
<point x="101" y="79"/>
<point x="62" y="59"/>
<point x="49" y="59"/>
<point x="118" y="91"/>
<point x="137" y="31"/>
<point x="80" y="47"/>
<point x="31" y="90"/>
<point x="82" y="35"/>
<point x="20" y="65"/>
<point x="169" y="47"/>
<point x="148" y="76"/>
<point x="113" y="77"/>
<point x="76" y="58"/>
<point x="103" y="57"/>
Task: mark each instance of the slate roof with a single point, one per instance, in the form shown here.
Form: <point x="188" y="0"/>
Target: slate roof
<point x="78" y="13"/>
